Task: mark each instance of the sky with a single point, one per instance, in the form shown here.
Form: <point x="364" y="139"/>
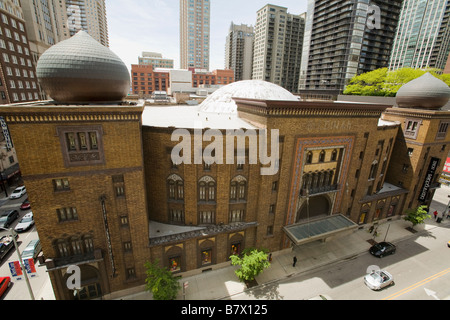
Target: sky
<point x="135" y="26"/>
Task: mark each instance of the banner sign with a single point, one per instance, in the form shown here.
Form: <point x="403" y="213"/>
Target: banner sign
<point x="16" y="270"/>
<point x="428" y="178"/>
<point x="30" y="267"/>
<point x="5" y="130"/>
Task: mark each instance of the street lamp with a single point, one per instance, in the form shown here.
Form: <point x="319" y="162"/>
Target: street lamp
<point x="13" y="236"/>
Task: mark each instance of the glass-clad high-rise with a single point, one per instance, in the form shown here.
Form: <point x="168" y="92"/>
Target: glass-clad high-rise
<point x="423" y="35"/>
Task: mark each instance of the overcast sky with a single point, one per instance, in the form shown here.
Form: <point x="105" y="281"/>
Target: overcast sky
<point x="135" y="26"/>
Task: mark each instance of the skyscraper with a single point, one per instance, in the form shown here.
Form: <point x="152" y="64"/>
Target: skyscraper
<point x="239" y="51"/>
<point x="90" y="16"/>
<point x="278" y="46"/>
<point x="343" y="39"/>
<point x="423" y="35"/>
<point x="194" y="33"/>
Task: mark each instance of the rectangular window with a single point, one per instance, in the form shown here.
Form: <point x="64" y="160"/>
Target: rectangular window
<point x="442" y="131"/>
<point x="67" y="214"/>
<point x="412" y="128"/>
<point x="61" y="184"/>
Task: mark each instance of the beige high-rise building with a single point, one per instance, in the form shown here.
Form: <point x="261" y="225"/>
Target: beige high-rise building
<point x="195" y="34"/>
<point x="45" y="22"/>
<point x="90" y="16"/>
<point x="278" y="46"/>
<point x="239" y="51"/>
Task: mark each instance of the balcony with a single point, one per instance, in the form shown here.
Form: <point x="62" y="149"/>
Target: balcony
<point x="319" y="190"/>
<point x="64" y="262"/>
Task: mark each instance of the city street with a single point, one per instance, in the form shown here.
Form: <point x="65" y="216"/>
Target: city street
<point x="40" y="282"/>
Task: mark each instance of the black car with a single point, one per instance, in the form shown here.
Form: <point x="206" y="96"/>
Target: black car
<point x="8" y="217"/>
<point x="382" y="249"/>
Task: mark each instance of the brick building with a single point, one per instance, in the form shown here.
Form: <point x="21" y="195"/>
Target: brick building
<point x="216" y="77"/>
<point x="145" y="79"/>
<point x="108" y="194"/>
<point x="18" y="82"/>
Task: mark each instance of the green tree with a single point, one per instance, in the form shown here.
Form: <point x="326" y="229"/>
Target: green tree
<point x="161" y="282"/>
<point x="382" y="82"/>
<point x="417" y="216"/>
<point x="252" y="262"/>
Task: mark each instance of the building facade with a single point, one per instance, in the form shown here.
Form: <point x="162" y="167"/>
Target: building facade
<point x="146" y="79"/>
<point x="90" y="16"/>
<point x="239" y="51"/>
<point x="18" y="76"/>
<point x="217" y="77"/>
<point x="343" y="39"/>
<point x="156" y="60"/>
<point x="114" y="189"/>
<point x="423" y="35"/>
<point x="278" y="46"/>
<point x="195" y="34"/>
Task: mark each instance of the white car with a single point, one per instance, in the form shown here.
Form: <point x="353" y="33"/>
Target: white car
<point x="25" y="223"/>
<point x="378" y="279"/>
<point x="18" y="192"/>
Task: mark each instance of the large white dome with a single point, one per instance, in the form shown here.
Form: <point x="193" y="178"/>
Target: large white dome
<point x="222" y="101"/>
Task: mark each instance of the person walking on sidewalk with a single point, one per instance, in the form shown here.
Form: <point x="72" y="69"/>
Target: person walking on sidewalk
<point x="294" y="260"/>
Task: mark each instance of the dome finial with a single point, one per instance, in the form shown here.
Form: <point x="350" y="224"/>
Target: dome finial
<point x="80" y="70"/>
<point x="425" y="92"/>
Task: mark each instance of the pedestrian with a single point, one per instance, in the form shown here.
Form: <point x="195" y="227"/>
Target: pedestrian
<point x="435" y="214"/>
<point x="294" y="260"/>
<point x="270" y="257"/>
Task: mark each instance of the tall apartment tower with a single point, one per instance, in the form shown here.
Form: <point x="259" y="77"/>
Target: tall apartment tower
<point x="278" y="46"/>
<point x="239" y="51"/>
<point x="423" y="35"/>
<point x="343" y="39"/>
<point x="45" y="22"/>
<point x="18" y="82"/>
<point x="194" y="33"/>
<point x="90" y="16"/>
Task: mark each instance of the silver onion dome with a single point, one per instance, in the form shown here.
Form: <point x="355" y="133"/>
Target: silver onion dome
<point x="80" y="69"/>
<point x="426" y="92"/>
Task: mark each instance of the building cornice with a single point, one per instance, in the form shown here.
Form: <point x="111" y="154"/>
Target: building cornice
<point x="270" y="108"/>
<point x="41" y="113"/>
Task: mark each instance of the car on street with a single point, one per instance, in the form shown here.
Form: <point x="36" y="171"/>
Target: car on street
<point x="382" y="249"/>
<point x="25" y="205"/>
<point x="18" y="192"/>
<point x="8" y="217"/>
<point x="448" y="244"/>
<point x="32" y="250"/>
<point x="25" y="223"/>
<point x="378" y="279"/>
<point x="5" y="283"/>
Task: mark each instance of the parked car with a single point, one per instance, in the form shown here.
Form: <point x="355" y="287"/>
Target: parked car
<point x="18" y="192"/>
<point x="8" y="217"/>
<point x="32" y="250"/>
<point x="5" y="283"/>
<point x="378" y="279"/>
<point x="448" y="244"/>
<point x="382" y="249"/>
<point x="25" y="205"/>
<point x="25" y="223"/>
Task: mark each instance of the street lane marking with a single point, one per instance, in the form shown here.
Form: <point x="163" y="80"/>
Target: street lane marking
<point x="418" y="284"/>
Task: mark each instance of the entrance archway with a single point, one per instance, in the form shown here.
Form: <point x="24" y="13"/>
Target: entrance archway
<point x="319" y="206"/>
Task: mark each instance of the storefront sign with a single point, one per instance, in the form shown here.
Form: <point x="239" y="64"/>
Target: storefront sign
<point x="428" y="179"/>
<point x="5" y="130"/>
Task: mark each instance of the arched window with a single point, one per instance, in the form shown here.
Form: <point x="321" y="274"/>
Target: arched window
<point x="322" y="156"/>
<point x="238" y="188"/>
<point x="207" y="189"/>
<point x="175" y="186"/>
<point x="334" y="155"/>
<point x="309" y="157"/>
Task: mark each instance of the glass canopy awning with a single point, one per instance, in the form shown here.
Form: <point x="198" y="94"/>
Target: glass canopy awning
<point x="318" y="229"/>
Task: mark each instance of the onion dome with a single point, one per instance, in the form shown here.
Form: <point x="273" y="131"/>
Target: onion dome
<point x="426" y="92"/>
<point x="80" y="70"/>
<point x="221" y="101"/>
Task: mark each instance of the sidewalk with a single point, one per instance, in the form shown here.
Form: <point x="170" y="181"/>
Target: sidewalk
<point x="223" y="283"/>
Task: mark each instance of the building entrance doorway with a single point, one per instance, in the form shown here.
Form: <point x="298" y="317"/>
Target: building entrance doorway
<point x="319" y="206"/>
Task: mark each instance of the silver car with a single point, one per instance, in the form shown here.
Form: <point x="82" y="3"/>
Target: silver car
<point x="378" y="279"/>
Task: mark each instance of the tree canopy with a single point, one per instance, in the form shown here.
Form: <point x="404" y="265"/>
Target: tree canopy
<point x="382" y="82"/>
<point x="417" y="216"/>
<point x="161" y="282"/>
<point x="252" y="262"/>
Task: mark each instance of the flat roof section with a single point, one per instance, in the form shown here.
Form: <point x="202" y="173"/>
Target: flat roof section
<point x="318" y="229"/>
